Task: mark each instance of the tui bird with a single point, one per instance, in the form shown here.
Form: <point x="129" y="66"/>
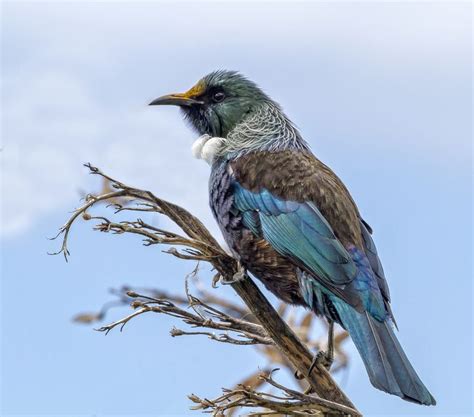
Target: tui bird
<point x="292" y="223"/>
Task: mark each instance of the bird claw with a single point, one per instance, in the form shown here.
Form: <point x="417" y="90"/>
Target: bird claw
<point x="298" y="375"/>
<point x="217" y="278"/>
<point x="323" y="358"/>
<point x="238" y="276"/>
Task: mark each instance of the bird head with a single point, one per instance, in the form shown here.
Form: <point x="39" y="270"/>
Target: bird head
<point x="218" y="102"/>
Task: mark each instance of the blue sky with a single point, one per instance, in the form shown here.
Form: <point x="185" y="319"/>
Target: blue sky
<point x="382" y="91"/>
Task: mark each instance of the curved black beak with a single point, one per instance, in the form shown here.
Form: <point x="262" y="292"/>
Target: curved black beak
<point x="180" y="99"/>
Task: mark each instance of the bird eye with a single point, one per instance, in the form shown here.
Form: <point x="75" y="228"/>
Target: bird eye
<point x="218" y="96"/>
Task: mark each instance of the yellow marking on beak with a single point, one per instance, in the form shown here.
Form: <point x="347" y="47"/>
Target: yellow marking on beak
<point x="194" y="91"/>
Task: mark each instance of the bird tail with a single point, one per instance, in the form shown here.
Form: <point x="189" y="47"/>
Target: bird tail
<point x="387" y="365"/>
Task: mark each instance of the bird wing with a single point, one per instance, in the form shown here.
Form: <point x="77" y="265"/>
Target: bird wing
<point x="304" y="211"/>
<point x="298" y="231"/>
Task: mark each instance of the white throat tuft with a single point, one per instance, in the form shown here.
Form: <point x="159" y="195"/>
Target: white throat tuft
<point x="206" y="147"/>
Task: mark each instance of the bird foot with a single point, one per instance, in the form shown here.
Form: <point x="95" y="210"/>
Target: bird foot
<point x="323" y="358"/>
<point x="238" y="276"/>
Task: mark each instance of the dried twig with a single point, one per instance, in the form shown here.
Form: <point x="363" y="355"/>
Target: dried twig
<point x="289" y="402"/>
<point x="302" y="327"/>
<point x="208" y="317"/>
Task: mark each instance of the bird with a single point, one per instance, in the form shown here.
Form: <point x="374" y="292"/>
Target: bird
<point x="292" y="223"/>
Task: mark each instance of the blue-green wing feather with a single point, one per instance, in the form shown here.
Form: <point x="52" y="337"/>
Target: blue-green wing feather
<point x="299" y="231"/>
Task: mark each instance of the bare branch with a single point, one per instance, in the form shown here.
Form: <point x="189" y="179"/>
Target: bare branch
<point x="289" y="402"/>
<point x="90" y="201"/>
<point x="249" y="333"/>
<point x="199" y="244"/>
